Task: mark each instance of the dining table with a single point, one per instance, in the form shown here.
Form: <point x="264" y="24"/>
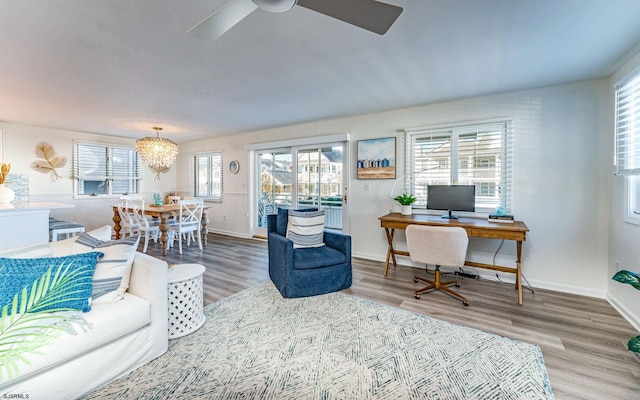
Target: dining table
<point x="163" y="213"/>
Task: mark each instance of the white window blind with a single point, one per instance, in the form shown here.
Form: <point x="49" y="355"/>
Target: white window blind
<point x="627" y="128"/>
<point x="101" y="169"/>
<point x="477" y="154"/>
<point x="207" y="176"/>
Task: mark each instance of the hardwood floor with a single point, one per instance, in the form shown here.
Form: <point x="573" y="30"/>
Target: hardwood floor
<point x="583" y="339"/>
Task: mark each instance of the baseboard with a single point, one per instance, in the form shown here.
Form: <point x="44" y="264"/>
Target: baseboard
<point x="633" y="319"/>
<point x="504" y="277"/>
<point x="229" y="233"/>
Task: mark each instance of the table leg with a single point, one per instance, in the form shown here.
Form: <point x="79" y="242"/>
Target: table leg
<point x="519" y="270"/>
<point x="116" y="223"/>
<point x="204" y="231"/>
<point x="164" y="236"/>
<point x="390" y="253"/>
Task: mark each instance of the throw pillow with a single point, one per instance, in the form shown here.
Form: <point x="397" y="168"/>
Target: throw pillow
<point x="113" y="270"/>
<point x="69" y="246"/>
<point x="306" y="228"/>
<point x="18" y="273"/>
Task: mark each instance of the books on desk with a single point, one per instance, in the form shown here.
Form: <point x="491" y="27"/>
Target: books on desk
<point x="508" y="219"/>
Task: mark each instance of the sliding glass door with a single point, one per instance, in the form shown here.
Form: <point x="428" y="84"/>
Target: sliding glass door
<point x="311" y="176"/>
<point x="275" y="183"/>
<point x="320" y="183"/>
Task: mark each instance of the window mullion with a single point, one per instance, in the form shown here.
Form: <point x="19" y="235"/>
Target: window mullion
<point x="453" y="163"/>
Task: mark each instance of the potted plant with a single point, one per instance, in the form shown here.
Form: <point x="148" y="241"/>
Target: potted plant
<point x="633" y="279"/>
<point x="405" y="200"/>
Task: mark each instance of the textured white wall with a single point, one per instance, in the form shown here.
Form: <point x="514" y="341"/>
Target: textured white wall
<point x="563" y="186"/>
<point x="561" y="172"/>
<point x="19" y="143"/>
<point x="624" y="243"/>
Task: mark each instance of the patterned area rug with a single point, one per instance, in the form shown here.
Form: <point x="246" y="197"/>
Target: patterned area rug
<point x="258" y="345"/>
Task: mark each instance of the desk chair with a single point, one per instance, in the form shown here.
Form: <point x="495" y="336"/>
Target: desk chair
<point x="437" y="245"/>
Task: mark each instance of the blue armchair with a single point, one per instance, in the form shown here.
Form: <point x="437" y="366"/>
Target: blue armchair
<point x="311" y="271"/>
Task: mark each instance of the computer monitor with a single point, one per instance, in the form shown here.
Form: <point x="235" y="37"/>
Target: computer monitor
<point x="451" y="198"/>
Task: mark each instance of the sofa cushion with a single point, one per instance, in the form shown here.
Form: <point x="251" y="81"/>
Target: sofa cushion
<point x="317" y="257"/>
<point x="103" y="325"/>
<point x="113" y="270"/>
<point x="30" y="251"/>
<point x="19" y="273"/>
<point x="305" y="228"/>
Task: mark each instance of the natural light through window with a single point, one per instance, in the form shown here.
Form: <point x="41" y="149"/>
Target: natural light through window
<point x="627" y="146"/>
<point x="476" y="154"/>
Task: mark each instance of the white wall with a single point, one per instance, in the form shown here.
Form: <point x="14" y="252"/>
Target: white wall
<point x="562" y="160"/>
<point x="562" y="151"/>
<point x="18" y="148"/>
<point x="624" y="246"/>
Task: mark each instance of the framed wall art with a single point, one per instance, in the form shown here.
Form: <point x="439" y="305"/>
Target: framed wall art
<point x="377" y="158"/>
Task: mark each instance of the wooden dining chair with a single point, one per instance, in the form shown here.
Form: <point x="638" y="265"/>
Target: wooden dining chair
<point x="188" y="222"/>
<point x="128" y="224"/>
<point x="150" y="229"/>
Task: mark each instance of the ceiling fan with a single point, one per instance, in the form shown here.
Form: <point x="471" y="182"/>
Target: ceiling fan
<point x="372" y="15"/>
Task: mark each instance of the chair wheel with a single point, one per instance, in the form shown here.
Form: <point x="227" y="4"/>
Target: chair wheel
<point x="415" y="281"/>
<point x="457" y="285"/>
<point x="417" y="296"/>
<point x="465" y="303"/>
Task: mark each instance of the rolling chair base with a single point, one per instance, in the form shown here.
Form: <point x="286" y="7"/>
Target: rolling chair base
<point x="438" y="285"/>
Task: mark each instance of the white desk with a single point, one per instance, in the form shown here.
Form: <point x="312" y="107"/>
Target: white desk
<point x="25" y="224"/>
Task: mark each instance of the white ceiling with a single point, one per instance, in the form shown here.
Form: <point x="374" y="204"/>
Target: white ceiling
<point x="119" y="67"/>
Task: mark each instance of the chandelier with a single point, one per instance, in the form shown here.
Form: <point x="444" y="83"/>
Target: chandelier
<point x="157" y="152"/>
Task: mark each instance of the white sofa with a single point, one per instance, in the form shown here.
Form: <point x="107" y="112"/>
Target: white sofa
<point x="120" y="337"/>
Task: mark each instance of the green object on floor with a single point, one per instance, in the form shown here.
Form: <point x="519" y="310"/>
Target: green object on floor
<point x="633" y="279"/>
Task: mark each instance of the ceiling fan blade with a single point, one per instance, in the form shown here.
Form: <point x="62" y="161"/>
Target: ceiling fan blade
<point x="371" y="15"/>
<point x="216" y="24"/>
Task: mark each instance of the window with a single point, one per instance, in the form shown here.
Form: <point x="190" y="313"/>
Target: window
<point x="627" y="143"/>
<point x="471" y="154"/>
<point x="105" y="170"/>
<point x="207" y="176"/>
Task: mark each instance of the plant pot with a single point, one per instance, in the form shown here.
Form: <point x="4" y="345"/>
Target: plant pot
<point x="405" y="210"/>
<point x="6" y="194"/>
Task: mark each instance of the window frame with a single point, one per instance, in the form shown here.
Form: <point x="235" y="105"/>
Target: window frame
<point x="214" y="168"/>
<point x="132" y="171"/>
<point x="627" y="142"/>
<point x="457" y="138"/>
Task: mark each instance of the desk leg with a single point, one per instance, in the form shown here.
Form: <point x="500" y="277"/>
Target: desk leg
<point x="164" y="236"/>
<point x="390" y="252"/>
<point x="116" y="223"/>
<point x="519" y="270"/>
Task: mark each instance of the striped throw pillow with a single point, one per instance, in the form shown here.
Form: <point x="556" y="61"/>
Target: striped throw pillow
<point x="306" y="228"/>
<point x="111" y="279"/>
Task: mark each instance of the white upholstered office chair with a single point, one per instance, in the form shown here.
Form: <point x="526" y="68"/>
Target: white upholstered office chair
<point x="188" y="221"/>
<point x="437" y="245"/>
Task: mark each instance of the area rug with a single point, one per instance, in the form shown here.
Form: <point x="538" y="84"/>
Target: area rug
<point x="258" y="345"/>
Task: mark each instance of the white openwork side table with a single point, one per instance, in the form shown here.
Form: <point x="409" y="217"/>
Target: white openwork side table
<point x="186" y="312"/>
